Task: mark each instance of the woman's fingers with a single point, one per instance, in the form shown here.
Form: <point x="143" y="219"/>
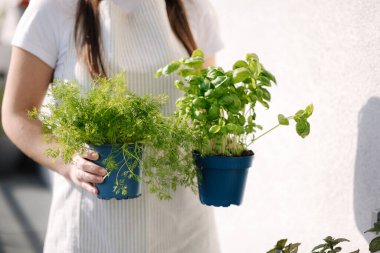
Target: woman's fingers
<point x="89" y="187"/>
<point x="94" y="169"/>
<point x="91" y="155"/>
<point x="84" y="176"/>
<point x="85" y="173"/>
<point x="89" y="167"/>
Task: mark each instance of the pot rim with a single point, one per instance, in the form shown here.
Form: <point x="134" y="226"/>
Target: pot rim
<point x="197" y="153"/>
<point x="116" y="144"/>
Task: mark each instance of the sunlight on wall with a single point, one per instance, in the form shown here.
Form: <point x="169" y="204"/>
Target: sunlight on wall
<point x="325" y="52"/>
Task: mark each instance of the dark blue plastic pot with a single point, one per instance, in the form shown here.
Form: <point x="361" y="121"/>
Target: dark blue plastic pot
<point x="222" y="179"/>
<point x="106" y="189"/>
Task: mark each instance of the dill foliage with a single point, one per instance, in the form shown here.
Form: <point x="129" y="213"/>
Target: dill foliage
<point x="108" y="113"/>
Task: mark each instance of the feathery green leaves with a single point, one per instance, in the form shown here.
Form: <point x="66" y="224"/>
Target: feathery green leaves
<point x="108" y="113"/>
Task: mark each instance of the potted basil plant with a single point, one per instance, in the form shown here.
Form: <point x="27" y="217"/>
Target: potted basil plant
<point x="220" y="107"/>
<point x="136" y="143"/>
<point x="330" y="245"/>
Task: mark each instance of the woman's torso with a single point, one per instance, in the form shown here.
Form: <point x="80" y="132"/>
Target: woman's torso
<point x="137" y="43"/>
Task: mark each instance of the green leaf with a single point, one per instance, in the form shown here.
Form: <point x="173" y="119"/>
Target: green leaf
<point x="372" y="230"/>
<point x="173" y="66"/>
<point x="282" y="120"/>
<point x="201" y="116"/>
<point x="186" y="72"/>
<point x="240" y="74"/>
<point x="266" y="95"/>
<point x="309" y="110"/>
<point x="339" y="240"/>
<point x="197" y="53"/>
<point x="375" y="229"/>
<point x="214" y="129"/>
<point x="303" y="128"/>
<point x="253" y="97"/>
<point x="249" y="128"/>
<point x="205" y="86"/>
<point x="194" y="62"/>
<point x="214" y="73"/>
<point x="281" y="243"/>
<point x="293" y="247"/>
<point x="226" y="100"/>
<point x="259" y="93"/>
<point x="263" y="103"/>
<point x="213" y="112"/>
<point x="250" y="119"/>
<point x="319" y="247"/>
<point x="200" y="102"/>
<point x="194" y="80"/>
<point x="158" y="73"/>
<point x="236" y="104"/>
<point x="240" y="64"/>
<point x="233" y="109"/>
<point x="209" y="93"/>
<point x="179" y="84"/>
<point x="268" y="75"/>
<point x="274" y="251"/>
<point x="239" y="130"/>
<point x="241" y="120"/>
<point x="252" y="57"/>
<point x="231" y="127"/>
<point x="253" y="84"/>
<point x="219" y="91"/>
<point x="259" y="68"/>
<point x="299" y="115"/>
<point x="264" y="81"/>
<point x="374" y="245"/>
<point x="220" y="81"/>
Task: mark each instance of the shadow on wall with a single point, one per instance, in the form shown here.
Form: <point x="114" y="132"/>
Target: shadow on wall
<point x="367" y="166"/>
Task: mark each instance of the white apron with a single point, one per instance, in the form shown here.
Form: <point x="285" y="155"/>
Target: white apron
<point x="137" y="42"/>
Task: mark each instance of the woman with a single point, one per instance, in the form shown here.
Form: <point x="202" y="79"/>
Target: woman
<point x="77" y="39"/>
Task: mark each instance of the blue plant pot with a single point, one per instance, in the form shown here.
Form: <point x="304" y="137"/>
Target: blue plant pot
<point x="222" y="179"/>
<point x="121" y="172"/>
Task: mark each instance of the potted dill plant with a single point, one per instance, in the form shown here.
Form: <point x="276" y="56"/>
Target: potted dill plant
<point x="120" y="126"/>
<point x="219" y="106"/>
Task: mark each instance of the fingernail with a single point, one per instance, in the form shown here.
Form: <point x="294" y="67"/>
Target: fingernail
<point x="94" y="156"/>
<point x="100" y="179"/>
<point x="103" y="172"/>
<point x="94" y="191"/>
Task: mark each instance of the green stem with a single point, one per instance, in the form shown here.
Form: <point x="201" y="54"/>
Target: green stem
<point x="270" y="130"/>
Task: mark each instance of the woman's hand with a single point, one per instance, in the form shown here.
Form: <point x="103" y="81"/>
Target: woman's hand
<point x="85" y="173"/>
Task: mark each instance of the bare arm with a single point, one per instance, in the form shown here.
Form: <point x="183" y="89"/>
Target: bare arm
<point x="27" y="83"/>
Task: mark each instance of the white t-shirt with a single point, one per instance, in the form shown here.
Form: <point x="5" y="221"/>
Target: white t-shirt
<point x="43" y="30"/>
<point x="137" y="39"/>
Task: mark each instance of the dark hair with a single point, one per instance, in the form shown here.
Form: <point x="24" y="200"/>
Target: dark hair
<point x="87" y="32"/>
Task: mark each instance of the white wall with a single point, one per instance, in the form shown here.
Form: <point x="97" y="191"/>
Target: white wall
<point x="325" y="52"/>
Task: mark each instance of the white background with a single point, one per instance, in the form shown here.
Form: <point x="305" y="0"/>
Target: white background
<point x="325" y="52"/>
